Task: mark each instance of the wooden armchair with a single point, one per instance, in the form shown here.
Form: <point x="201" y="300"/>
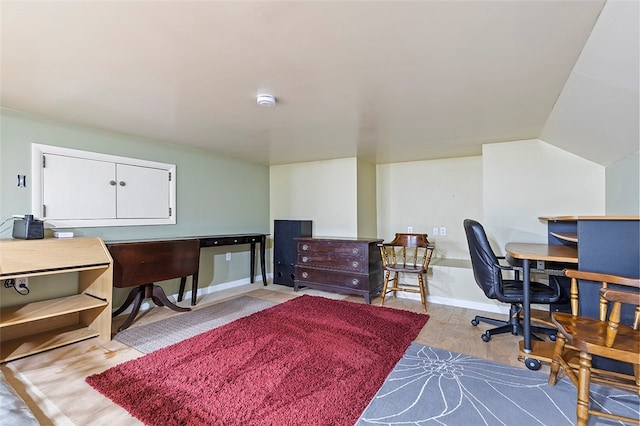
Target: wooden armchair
<point x="604" y="337"/>
<point x="406" y="254"/>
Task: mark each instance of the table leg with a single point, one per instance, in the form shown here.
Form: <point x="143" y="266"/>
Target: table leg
<point x="194" y="288"/>
<point x="183" y="281"/>
<point x="160" y="299"/>
<point x="253" y="262"/>
<point x="136" y="308"/>
<point x="526" y="304"/>
<point x="130" y="298"/>
<point x="263" y="241"/>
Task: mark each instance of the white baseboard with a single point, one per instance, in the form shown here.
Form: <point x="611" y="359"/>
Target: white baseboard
<point x="447" y="301"/>
<point x="459" y="303"/>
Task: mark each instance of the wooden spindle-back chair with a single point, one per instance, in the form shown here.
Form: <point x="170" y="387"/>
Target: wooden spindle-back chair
<point x="406" y="254"/>
<point x="603" y="337"/>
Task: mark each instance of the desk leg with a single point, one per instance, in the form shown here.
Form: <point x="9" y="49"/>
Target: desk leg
<point x="253" y="261"/>
<point x="194" y="288"/>
<point x="263" y="241"/>
<point x="526" y="304"/>
<point x="183" y="281"/>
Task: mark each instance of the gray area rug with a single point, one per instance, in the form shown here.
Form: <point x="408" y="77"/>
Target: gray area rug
<point x="431" y="386"/>
<point x="150" y="337"/>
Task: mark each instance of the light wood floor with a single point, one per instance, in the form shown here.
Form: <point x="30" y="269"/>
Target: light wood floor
<point x="52" y="383"/>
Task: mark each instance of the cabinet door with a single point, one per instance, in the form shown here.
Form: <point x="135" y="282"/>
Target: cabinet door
<point x="143" y="192"/>
<point x="78" y="188"/>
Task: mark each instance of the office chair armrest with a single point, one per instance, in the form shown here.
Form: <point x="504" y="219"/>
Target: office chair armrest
<point x="510" y="267"/>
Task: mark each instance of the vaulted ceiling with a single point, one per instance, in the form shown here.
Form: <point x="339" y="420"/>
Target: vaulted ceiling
<point x="387" y="81"/>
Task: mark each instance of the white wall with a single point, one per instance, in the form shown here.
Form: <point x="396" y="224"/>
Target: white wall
<point x="506" y="190"/>
<point x="367" y="211"/>
<point x="623" y="186"/>
<point x="427" y="194"/>
<point x="526" y="179"/>
<point x="435" y="193"/>
<point x="322" y="191"/>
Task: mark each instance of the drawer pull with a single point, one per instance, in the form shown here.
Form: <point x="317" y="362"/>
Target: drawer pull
<point x="305" y="275"/>
<point x="305" y="259"/>
<point x="355" y="264"/>
<point x="355" y="282"/>
<point x="305" y="247"/>
<point x="355" y="250"/>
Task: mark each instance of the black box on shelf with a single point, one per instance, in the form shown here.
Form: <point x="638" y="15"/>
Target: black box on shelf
<point x="28" y="228"/>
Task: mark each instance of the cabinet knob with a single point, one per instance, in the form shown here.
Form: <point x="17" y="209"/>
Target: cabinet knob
<point x="122" y="183"/>
<point x="355" y="282"/>
<point x="305" y="259"/>
<point x="305" y="275"/>
<point x="355" y="251"/>
<point x="305" y="247"/>
<point x="112" y="182"/>
<point x="355" y="264"/>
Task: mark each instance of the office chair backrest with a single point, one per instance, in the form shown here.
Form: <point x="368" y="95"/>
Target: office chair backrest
<point x="483" y="260"/>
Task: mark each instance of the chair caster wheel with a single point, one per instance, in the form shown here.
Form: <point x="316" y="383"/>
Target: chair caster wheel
<point x="552" y="337"/>
<point x="532" y="363"/>
<point x="474" y="322"/>
<point x="485" y="337"/>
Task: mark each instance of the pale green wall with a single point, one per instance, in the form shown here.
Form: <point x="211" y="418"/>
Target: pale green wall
<point x="215" y="194"/>
<point x="623" y="186"/>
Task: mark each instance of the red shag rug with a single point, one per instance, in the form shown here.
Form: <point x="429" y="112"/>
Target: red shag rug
<point x="308" y="361"/>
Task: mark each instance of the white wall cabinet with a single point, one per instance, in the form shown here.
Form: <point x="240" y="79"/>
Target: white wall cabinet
<point x="75" y="188"/>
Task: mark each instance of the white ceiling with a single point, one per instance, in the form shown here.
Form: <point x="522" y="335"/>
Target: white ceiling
<point x="387" y="81"/>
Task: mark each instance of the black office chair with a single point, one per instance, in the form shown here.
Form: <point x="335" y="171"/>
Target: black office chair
<point x="487" y="272"/>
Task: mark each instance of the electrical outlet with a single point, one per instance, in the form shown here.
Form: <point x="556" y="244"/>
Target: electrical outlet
<point x="443" y="230"/>
<point x="22" y="283"/>
<point x="410" y="229"/>
<point x="435" y="231"/>
<point x="228" y="256"/>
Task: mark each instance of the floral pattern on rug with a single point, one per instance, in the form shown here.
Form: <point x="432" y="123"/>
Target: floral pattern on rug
<point x="430" y="386"/>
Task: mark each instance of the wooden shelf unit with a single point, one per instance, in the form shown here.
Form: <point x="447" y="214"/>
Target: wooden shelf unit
<point x="46" y="324"/>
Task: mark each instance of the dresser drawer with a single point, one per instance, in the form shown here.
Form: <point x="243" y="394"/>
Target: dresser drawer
<point x="333" y="249"/>
<point x="339" y="279"/>
<point x="358" y="265"/>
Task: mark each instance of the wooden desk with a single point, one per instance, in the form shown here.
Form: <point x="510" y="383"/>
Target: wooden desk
<point x="143" y="262"/>
<point x="526" y="252"/>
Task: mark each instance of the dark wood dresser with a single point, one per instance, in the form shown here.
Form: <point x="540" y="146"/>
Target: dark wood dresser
<point x="341" y="265"/>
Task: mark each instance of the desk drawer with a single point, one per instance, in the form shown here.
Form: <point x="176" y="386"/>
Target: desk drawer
<point x="228" y="241"/>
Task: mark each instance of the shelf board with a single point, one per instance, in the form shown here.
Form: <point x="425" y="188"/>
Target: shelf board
<point x="18" y="348"/>
<point x="51" y="256"/>
<point x="14" y="315"/>
<point x="566" y="236"/>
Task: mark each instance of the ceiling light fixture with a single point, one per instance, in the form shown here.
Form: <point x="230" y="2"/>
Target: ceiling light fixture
<point x="266" y="100"/>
